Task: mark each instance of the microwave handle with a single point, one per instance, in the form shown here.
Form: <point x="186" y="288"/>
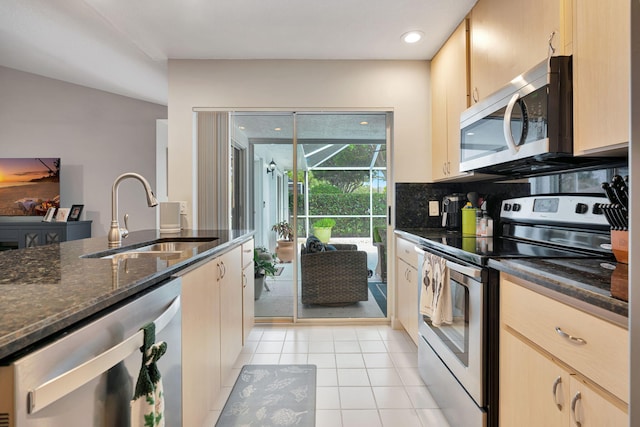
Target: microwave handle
<point x="506" y="124"/>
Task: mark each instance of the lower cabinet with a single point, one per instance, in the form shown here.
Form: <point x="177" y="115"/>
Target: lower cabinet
<point x="407" y="287"/>
<point x="407" y="283"/>
<point x="248" y="290"/>
<point x="549" y="379"/>
<point x="200" y="343"/>
<point x="28" y="233"/>
<point x="212" y="331"/>
<point x="229" y="268"/>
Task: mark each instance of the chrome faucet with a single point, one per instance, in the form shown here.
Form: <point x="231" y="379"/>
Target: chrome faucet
<point x="116" y="234"/>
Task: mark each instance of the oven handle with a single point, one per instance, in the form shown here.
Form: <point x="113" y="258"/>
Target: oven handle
<point x="476" y="273"/>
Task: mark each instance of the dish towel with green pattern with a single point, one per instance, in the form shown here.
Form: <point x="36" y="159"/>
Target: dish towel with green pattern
<point x="147" y="406"/>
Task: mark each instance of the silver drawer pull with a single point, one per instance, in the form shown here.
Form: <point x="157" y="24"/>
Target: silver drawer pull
<point x="556" y="383"/>
<point x="571" y="338"/>
<point x="574" y="403"/>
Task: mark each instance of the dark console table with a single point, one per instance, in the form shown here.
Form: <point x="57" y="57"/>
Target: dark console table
<point x="19" y="232"/>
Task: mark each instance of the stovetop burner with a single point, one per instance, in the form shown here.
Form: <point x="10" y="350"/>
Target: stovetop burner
<point x="478" y="250"/>
<point x="544" y="227"/>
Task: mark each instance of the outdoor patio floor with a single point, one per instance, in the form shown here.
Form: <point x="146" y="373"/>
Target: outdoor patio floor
<point x="278" y="301"/>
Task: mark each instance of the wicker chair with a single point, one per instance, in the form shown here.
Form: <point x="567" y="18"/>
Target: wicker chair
<point x="334" y="277"/>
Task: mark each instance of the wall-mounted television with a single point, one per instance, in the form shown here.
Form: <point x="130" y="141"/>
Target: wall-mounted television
<point x="29" y="186"/>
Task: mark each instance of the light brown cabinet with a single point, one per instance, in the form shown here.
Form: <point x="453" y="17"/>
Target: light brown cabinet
<point x="229" y="276"/>
<point x="449" y="97"/>
<point x="407" y="287"/>
<point x="248" y="290"/>
<point x="531" y="386"/>
<point x="558" y="365"/>
<point x="200" y="343"/>
<point x="509" y="37"/>
<point x="601" y="76"/>
<point x="212" y="330"/>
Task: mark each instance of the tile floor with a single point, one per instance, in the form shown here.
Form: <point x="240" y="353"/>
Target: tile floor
<point x="367" y="375"/>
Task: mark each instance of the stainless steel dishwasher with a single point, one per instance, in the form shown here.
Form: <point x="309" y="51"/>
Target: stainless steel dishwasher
<point x="88" y="376"/>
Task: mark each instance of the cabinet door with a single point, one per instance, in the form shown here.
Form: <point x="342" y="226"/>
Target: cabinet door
<point x="407" y="283"/>
<point x="601" y="75"/>
<point x="401" y="272"/>
<point x="527" y="384"/>
<point x="412" y="306"/>
<point x="592" y="409"/>
<point x="230" y="279"/>
<point x="509" y="37"/>
<point x="439" y="128"/>
<point x="248" y="298"/>
<point x="42" y="235"/>
<point x="31" y="239"/>
<point x="248" y="289"/>
<point x="457" y="95"/>
<point x="449" y="97"/>
<point x="200" y="343"/>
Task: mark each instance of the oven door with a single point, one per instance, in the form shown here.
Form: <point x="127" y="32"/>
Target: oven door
<point x="460" y="344"/>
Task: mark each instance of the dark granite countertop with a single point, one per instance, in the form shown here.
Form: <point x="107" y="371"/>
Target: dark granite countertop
<point x="584" y="283"/>
<point x="45" y="290"/>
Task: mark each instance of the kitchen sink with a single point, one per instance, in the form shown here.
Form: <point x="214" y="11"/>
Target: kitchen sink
<point x="145" y="254"/>
<point x="168" y="246"/>
<point x="166" y="249"/>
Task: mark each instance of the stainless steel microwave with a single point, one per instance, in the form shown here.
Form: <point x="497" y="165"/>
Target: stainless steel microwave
<point x="526" y="127"/>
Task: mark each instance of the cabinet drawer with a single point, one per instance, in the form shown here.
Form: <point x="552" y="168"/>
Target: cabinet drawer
<point x="406" y="252"/>
<point x="601" y="356"/>
<point x="247" y="253"/>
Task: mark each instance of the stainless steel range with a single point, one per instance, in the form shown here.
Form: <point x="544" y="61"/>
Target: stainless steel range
<point x="458" y="361"/>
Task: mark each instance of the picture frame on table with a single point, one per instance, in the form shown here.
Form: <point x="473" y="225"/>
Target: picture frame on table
<point x="74" y="213"/>
<point x="62" y="214"/>
<point x="48" y="217"/>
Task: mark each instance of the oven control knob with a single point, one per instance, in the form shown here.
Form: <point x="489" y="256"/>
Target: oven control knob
<point x="597" y="210"/>
<point x="582" y="208"/>
<point x="507" y="207"/>
<point x="516" y="207"/>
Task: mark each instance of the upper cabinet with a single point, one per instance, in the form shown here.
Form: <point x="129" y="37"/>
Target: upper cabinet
<point x="449" y="97"/>
<point x="601" y="76"/>
<point x="510" y="37"/>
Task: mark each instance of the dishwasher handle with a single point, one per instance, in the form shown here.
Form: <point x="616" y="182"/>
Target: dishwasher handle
<point x="58" y="387"/>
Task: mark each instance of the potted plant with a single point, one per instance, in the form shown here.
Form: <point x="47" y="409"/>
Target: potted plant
<point x="263" y="265"/>
<point x="322" y="229"/>
<point x="284" y="250"/>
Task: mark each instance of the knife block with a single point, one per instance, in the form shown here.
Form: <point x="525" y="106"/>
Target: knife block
<point x="620" y="245"/>
<point x="620" y="282"/>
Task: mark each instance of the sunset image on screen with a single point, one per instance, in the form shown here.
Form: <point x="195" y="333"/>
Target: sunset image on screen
<point x="29" y="186"/>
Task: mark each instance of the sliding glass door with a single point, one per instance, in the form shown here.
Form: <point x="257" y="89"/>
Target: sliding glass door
<point x="343" y="203"/>
<point x="323" y="175"/>
<point x="270" y="141"/>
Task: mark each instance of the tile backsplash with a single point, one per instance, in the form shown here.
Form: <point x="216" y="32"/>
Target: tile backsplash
<point x="412" y="200"/>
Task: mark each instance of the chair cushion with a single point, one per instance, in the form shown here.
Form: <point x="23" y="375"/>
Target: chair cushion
<point x="314" y="245"/>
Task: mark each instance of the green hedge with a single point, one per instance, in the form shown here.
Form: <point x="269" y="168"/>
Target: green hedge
<point x="345" y="227"/>
<point x="340" y="204"/>
<point x="330" y="204"/>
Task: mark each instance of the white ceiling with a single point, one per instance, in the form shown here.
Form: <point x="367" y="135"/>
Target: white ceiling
<point x="122" y="46"/>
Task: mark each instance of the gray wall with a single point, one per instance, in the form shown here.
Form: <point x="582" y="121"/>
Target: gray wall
<point x="96" y="134"/>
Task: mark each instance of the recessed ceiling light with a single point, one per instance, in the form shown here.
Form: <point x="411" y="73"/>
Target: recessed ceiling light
<point x="278" y="129"/>
<point x="364" y="123"/>
<point x="412" y="36"/>
<point x="241" y="127"/>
